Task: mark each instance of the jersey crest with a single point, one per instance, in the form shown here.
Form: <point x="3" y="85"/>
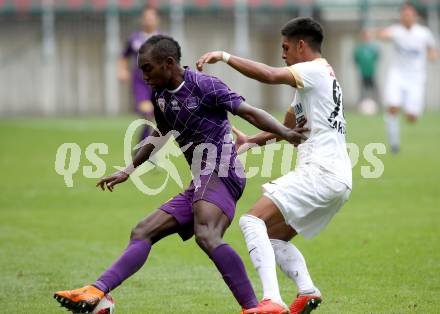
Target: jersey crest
<point x="161" y="103"/>
<point x="191" y="102"/>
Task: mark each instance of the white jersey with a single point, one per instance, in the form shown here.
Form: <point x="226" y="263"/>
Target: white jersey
<point x="410" y="48"/>
<point x="318" y="98"/>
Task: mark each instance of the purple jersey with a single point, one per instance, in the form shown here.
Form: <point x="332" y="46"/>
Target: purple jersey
<point x="141" y="90"/>
<point x="198" y="110"/>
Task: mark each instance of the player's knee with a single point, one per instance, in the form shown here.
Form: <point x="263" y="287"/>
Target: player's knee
<point x="202" y="238"/>
<point x="206" y="239"/>
<point x="142" y="232"/>
<point x="136" y="234"/>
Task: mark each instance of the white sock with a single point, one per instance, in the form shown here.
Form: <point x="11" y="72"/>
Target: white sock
<point x="292" y="263"/>
<point x="393" y="130"/>
<point x="262" y="255"/>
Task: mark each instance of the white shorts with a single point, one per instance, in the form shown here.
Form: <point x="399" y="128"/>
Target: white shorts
<point x="308" y="198"/>
<point x="405" y="92"/>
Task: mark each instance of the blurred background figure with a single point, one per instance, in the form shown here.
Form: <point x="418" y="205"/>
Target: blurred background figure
<point x="405" y="87"/>
<point x="68" y="63"/>
<point x="142" y="92"/>
<point x="366" y="55"/>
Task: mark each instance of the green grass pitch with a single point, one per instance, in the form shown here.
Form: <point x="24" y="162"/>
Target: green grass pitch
<point x="380" y="254"/>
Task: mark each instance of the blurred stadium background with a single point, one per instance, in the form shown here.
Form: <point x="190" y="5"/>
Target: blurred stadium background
<point x="58" y="57"/>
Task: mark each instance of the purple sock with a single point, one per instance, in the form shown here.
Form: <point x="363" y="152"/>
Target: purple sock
<point x="128" y="263"/>
<point x="234" y="274"/>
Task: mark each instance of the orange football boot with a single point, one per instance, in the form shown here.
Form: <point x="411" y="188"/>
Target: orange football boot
<point x="82" y="300"/>
<point x="267" y="306"/>
<point x="305" y="303"/>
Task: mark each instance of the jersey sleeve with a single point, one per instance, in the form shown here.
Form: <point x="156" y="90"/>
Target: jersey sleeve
<point x="304" y="74"/>
<point x="217" y="94"/>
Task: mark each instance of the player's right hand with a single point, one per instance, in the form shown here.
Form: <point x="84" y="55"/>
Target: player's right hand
<point x="112" y="180"/>
<point x="209" y="57"/>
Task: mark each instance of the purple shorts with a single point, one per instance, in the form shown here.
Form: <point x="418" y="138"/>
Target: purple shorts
<point x="212" y="190"/>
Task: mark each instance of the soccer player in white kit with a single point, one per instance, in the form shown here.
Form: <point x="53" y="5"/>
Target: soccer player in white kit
<point x="304" y="200"/>
<point x="405" y="86"/>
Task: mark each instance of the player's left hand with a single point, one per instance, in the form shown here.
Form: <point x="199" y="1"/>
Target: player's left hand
<point x="209" y="57"/>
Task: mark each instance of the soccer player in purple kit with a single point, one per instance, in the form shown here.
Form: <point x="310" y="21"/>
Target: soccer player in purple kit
<point x="196" y="106"/>
<point x="142" y="92"/>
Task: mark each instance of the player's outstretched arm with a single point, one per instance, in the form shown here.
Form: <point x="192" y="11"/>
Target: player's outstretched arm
<point x="121" y="176"/>
<point x="255" y="70"/>
<point x="380" y="33"/>
<point x="272" y="127"/>
<point x="244" y="142"/>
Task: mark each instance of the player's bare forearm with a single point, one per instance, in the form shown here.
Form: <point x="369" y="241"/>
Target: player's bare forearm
<point x="263" y="137"/>
<point x="121" y="176"/>
<point x="123" y="63"/>
<point x="123" y="69"/>
<point x="379" y="33"/>
<point x="432" y="53"/>
<point x="266" y="122"/>
<point x="142" y="155"/>
<point x="145" y="152"/>
<point x="261" y="119"/>
<point x="255" y="70"/>
<point x="261" y="72"/>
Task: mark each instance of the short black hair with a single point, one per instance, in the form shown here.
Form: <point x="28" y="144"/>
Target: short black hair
<point x="161" y="47"/>
<point x="304" y="28"/>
